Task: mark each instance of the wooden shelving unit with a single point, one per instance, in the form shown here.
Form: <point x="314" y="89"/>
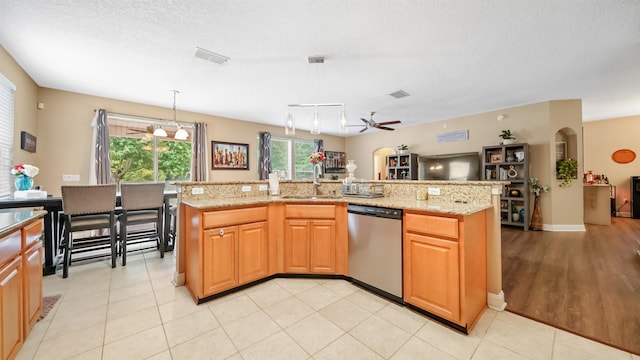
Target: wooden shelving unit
<point x="510" y="163"/>
<point x="402" y="167"/>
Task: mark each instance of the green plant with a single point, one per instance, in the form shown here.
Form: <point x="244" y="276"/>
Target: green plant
<point x="536" y="188"/>
<point x="566" y="169"/>
<point x="403" y="147"/>
<point x="506" y="135"/>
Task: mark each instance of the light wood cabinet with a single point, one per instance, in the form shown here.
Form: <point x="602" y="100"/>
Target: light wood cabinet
<point x="11" y="313"/>
<point x="32" y="266"/>
<point x="310" y="239"/>
<point x="225" y="248"/>
<point x="445" y="270"/>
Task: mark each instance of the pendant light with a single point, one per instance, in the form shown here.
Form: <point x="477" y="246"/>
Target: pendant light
<point x="315" y="125"/>
<point x="289" y="125"/>
<point x="181" y="134"/>
<point x="160" y="132"/>
<point x="343" y="126"/>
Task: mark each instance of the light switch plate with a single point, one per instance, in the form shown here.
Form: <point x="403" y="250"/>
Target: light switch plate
<point x="197" y="191"/>
<point x="70" y="177"/>
<point x="246" y="188"/>
<point x="434" y="191"/>
<point x="263" y="187"/>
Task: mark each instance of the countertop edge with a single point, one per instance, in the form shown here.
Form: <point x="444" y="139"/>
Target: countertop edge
<point x="20" y="219"/>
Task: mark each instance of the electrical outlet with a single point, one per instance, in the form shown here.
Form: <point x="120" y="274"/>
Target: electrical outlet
<point x="434" y="191"/>
<point x="197" y="191"/>
<point x="263" y="187"/>
<point x="246" y="188"/>
<point x="70" y="177"/>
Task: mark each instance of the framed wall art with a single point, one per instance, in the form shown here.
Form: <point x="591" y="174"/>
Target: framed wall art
<point x="229" y="156"/>
<point x="334" y="162"/>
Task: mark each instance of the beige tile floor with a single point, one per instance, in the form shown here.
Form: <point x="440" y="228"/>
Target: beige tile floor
<point x="134" y="312"/>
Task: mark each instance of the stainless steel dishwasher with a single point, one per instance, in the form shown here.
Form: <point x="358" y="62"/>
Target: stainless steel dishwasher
<point x="375" y="249"/>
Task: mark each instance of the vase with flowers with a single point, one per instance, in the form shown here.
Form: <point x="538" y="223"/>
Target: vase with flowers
<point x="537" y="190"/>
<point x="24" y="174"/>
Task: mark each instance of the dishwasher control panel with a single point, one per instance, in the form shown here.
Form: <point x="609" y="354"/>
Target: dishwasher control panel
<point x="375" y="211"/>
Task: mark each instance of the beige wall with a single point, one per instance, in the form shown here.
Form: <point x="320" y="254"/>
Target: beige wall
<point x="534" y="124"/>
<point x="64" y="137"/>
<point x="25" y="112"/>
<point x="601" y="139"/>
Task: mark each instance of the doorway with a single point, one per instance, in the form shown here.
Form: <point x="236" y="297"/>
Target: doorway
<point x="380" y="163"/>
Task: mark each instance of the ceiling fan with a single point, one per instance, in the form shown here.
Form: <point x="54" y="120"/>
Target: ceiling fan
<point x="378" y="125"/>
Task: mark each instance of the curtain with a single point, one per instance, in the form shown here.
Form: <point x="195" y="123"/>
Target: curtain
<point x="100" y="160"/>
<point x="264" y="156"/>
<point x="199" y="160"/>
<point x="318" y="145"/>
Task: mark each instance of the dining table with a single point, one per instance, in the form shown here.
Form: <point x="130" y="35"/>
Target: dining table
<point x="53" y="219"/>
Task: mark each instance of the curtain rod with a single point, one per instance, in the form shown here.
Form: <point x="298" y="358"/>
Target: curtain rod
<point x="136" y="118"/>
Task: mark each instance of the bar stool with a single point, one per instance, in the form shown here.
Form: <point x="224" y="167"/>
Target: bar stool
<point x="141" y="204"/>
<point x="88" y="207"/>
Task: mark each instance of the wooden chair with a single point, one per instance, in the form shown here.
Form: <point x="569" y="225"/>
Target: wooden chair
<point x="88" y="207"/>
<point x="141" y="204"/>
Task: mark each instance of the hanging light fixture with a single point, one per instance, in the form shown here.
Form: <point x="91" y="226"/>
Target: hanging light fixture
<point x="343" y="126"/>
<point x="289" y="125"/>
<point x="315" y="124"/>
<point x="181" y="133"/>
<point x="160" y="132"/>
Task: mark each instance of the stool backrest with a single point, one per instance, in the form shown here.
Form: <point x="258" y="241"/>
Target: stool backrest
<point x="88" y="199"/>
<point x="142" y="196"/>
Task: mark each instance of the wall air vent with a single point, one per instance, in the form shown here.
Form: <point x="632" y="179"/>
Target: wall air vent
<point x="399" y="94"/>
<point x="316" y="59"/>
<point x="210" y="56"/>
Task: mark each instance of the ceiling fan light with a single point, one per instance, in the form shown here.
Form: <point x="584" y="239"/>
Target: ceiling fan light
<point x="181" y="134"/>
<point x="344" y="128"/>
<point x="160" y="132"/>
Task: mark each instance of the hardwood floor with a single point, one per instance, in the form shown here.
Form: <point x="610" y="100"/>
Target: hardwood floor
<point x="585" y="282"/>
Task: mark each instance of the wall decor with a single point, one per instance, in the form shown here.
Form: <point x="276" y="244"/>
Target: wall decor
<point x="460" y="135"/>
<point x="27" y="142"/>
<point x="229" y="156"/>
<point x="623" y="156"/>
<point x="495" y="158"/>
<point x="334" y="162"/>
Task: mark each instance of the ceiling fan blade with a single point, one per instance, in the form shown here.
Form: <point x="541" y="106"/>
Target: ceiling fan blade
<point x="385" y="128"/>
<point x="363" y="130"/>
<point x="389" y="122"/>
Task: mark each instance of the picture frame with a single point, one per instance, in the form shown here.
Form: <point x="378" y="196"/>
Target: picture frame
<point x="495" y="158"/>
<point x="229" y="156"/>
<point x="335" y="162"/>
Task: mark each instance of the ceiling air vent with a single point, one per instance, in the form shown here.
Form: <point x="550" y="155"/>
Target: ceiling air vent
<point x="210" y="56"/>
<point x="316" y="59"/>
<point x="399" y="94"/>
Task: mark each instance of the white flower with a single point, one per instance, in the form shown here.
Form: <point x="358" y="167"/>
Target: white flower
<point x="25" y="169"/>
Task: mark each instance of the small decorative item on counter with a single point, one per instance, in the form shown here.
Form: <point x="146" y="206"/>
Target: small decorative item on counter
<point x="421" y="194"/>
<point x="24" y="176"/>
<point x="588" y="177"/>
<point x="317" y="157"/>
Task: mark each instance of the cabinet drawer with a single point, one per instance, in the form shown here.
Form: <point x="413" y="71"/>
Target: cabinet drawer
<point x="10" y="246"/>
<point x="432" y="225"/>
<point x="32" y="233"/>
<point x="309" y="211"/>
<point x="233" y="217"/>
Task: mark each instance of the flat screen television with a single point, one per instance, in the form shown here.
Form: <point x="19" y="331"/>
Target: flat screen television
<point x="459" y="166"/>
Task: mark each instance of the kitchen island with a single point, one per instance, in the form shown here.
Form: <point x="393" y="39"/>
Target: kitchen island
<point x="229" y="240"/>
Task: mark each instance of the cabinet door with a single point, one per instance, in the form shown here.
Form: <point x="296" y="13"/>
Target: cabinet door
<point x="32" y="286"/>
<point x="432" y="279"/>
<point x="253" y="252"/>
<point x="296" y="246"/>
<point x="219" y="263"/>
<point x="323" y="246"/>
<point x="11" y="318"/>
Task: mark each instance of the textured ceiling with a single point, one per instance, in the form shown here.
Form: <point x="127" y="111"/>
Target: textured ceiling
<point x="453" y="57"/>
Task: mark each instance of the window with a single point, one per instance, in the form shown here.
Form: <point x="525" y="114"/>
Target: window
<point x="7" y="97"/>
<point x="290" y="156"/>
<point x="138" y="156"/>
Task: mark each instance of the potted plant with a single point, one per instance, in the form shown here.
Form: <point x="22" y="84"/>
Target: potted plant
<point x="567" y="170"/>
<point x="402" y="149"/>
<point x="507" y="137"/>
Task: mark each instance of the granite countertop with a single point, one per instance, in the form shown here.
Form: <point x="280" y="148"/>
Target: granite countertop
<point x="444" y="207"/>
<point x="16" y="219"/>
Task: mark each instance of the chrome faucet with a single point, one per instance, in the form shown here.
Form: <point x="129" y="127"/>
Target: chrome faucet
<point x="316" y="176"/>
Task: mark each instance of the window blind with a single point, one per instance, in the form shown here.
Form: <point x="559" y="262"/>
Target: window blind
<point x="7" y="97"/>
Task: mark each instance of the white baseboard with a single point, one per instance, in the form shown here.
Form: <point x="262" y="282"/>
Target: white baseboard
<point x="496" y="301"/>
<point x="550" y="227"/>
